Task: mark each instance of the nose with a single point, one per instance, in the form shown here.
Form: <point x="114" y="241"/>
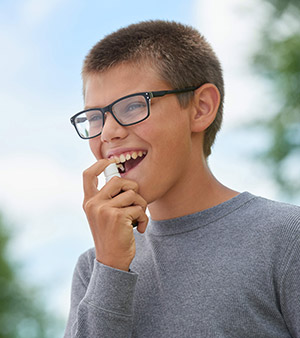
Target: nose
<point x="112" y="130"/>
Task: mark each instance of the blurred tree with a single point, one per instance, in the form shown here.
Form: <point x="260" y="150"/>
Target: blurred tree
<point x="21" y="314"/>
<point x="278" y="60"/>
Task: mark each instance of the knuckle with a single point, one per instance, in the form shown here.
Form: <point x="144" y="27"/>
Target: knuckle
<point x="131" y="185"/>
<point x="114" y="178"/>
<point x="140" y="208"/>
<point x="131" y="194"/>
<point x="86" y="173"/>
<point x="118" y="214"/>
<point x="104" y="211"/>
<point x="87" y="205"/>
<point x="135" y="186"/>
<point x="114" y="214"/>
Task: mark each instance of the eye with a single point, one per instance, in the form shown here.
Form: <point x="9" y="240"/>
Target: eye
<point x="80" y="119"/>
<point x="130" y="109"/>
<point x="134" y="106"/>
<point x="94" y="118"/>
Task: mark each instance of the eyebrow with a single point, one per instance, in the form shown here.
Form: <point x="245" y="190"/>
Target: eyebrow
<point x="89" y="107"/>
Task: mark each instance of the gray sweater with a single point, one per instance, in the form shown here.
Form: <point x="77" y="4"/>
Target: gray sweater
<point x="229" y="271"/>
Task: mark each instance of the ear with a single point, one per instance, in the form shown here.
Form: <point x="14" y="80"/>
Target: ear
<point x="206" y="104"/>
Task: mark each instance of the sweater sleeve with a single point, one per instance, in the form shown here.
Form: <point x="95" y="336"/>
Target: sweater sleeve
<point x="290" y="288"/>
<point x="101" y="301"/>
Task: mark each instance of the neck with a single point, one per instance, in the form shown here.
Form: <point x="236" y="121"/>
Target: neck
<point x="199" y="190"/>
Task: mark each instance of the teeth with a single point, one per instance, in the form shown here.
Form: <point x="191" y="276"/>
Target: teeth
<point x="121" y="167"/>
<point x="126" y="157"/>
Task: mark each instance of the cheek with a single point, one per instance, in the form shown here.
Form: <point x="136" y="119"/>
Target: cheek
<point x="165" y="134"/>
<point x="169" y="144"/>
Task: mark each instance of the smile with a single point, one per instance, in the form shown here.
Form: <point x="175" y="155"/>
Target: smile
<point x="129" y="160"/>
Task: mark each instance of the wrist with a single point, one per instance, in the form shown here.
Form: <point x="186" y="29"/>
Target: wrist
<point x="111" y="289"/>
<point x="119" y="265"/>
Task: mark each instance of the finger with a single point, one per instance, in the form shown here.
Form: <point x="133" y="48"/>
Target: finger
<point x="116" y="185"/>
<point x="142" y="224"/>
<point x="90" y="177"/>
<point x="136" y="213"/>
<point x="128" y="198"/>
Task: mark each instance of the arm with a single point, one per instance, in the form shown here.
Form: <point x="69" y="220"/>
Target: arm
<point x="103" y="305"/>
<point x="290" y="288"/>
<point x="102" y="295"/>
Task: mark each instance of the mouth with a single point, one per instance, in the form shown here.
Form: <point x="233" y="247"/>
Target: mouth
<point x="129" y="160"/>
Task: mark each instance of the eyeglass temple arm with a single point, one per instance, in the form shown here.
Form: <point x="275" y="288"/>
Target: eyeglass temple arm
<point x="174" y="91"/>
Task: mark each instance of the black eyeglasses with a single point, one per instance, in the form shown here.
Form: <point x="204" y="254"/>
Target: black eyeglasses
<point x="127" y="110"/>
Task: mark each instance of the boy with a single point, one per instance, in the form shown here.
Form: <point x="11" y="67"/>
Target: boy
<point x="210" y="262"/>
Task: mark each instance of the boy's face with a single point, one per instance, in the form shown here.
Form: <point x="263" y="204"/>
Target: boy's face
<point x="164" y="137"/>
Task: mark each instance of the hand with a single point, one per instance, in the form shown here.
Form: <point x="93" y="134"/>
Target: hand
<point x="110" y="213"/>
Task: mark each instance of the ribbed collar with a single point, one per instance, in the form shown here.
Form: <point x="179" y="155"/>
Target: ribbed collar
<point x="199" y="219"/>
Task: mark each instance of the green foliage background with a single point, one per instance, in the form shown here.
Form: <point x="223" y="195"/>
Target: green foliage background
<point x="22" y="313"/>
<point x="277" y="59"/>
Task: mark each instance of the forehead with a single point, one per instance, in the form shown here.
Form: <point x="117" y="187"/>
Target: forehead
<point x="100" y="89"/>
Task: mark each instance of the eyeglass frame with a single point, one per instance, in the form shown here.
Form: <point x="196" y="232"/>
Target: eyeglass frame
<point x="147" y="95"/>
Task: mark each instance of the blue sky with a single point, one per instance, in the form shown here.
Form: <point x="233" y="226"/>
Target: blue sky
<point x="43" y="44"/>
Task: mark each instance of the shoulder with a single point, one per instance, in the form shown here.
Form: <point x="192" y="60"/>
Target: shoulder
<point x="275" y="205"/>
<point x="263" y="209"/>
<point x="264" y="220"/>
<point x="284" y="215"/>
<point x="276" y="222"/>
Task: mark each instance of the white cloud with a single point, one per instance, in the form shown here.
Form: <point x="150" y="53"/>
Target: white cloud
<point x="35" y="12"/>
<point x="232" y="27"/>
<point x="43" y="199"/>
<point x="37" y="181"/>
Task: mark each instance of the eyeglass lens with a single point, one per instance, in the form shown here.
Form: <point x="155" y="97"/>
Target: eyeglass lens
<point x="126" y="111"/>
